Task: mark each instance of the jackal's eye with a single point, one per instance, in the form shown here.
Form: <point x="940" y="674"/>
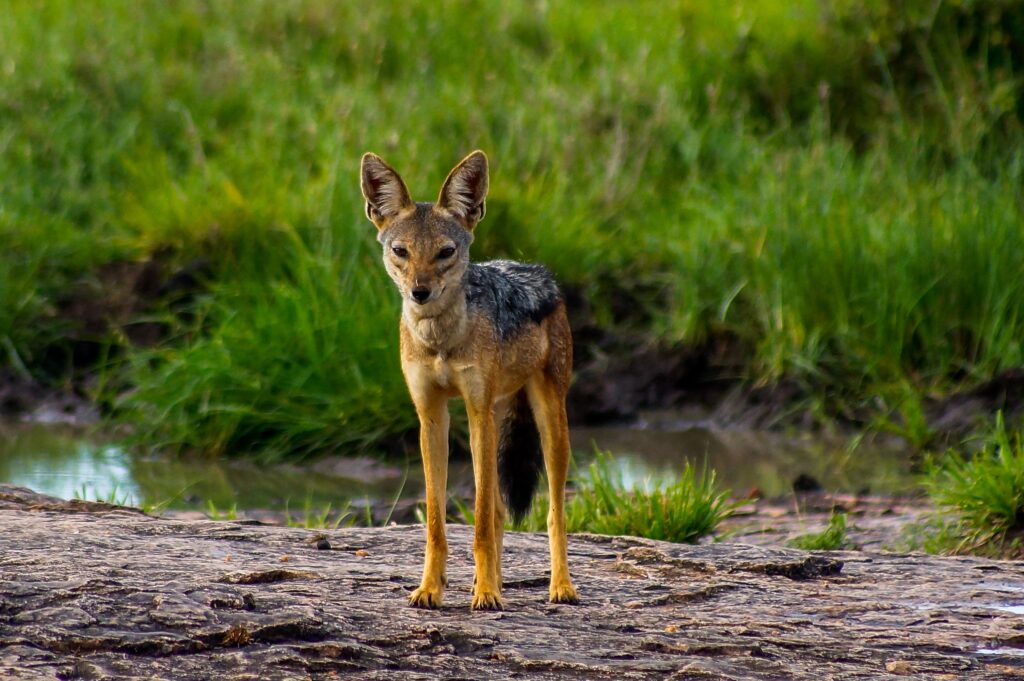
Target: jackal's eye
<point x="400" y="252"/>
<point x="446" y="252"/>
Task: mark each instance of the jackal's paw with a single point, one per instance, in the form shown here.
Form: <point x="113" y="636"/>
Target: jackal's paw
<point x="486" y="600"/>
<point x="426" y="597"/>
<point x="563" y="593"/>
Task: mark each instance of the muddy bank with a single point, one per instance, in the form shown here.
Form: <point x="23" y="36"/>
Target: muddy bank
<point x="89" y="591"/>
<point x="22" y="398"/>
<point x="617" y="388"/>
<point x="618" y="374"/>
<point x="616" y="378"/>
<point x="114" y="305"/>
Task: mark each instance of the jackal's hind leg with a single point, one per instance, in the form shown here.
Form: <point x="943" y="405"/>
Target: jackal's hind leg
<point x="548" y="403"/>
<point x="501" y="412"/>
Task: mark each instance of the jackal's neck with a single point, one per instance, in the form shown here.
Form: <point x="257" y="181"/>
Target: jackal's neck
<point x="443" y="325"/>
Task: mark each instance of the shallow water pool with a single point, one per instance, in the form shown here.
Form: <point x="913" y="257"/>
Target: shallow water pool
<point x="67" y="463"/>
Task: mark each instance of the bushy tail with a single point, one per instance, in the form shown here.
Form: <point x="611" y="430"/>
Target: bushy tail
<point x="519" y="457"/>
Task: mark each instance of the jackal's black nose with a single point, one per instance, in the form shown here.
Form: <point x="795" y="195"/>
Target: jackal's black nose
<point x="420" y="294"/>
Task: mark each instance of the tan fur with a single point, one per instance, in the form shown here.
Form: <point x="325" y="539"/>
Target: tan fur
<point x="449" y="350"/>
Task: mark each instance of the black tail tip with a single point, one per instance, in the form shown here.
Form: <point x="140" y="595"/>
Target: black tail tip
<point x="519" y="459"/>
<point x="519" y="499"/>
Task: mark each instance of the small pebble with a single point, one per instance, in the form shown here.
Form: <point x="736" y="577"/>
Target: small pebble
<point x="900" y="667"/>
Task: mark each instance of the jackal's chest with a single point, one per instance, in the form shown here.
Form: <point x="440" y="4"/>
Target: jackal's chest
<point x="455" y="365"/>
<point x="451" y="375"/>
<point x="457" y="373"/>
<point x="444" y="372"/>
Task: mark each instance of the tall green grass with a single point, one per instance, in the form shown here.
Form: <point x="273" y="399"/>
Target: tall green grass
<point x="299" y="361"/>
<point x="682" y="156"/>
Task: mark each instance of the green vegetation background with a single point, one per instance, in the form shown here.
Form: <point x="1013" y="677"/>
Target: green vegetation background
<point x="835" y="187"/>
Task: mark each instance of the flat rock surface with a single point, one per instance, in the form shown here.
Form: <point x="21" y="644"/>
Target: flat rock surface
<point x="90" y="591"/>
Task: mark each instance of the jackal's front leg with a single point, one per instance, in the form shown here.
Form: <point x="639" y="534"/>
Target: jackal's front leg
<point x="434" y="449"/>
<point x="483" y="438"/>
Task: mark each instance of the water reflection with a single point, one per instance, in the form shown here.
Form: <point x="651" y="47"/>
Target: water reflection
<point x="63" y="463"/>
<point x="744" y="460"/>
<point x="59" y="462"/>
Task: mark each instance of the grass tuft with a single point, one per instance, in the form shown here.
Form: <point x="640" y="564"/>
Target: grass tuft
<point x="832" y="538"/>
<point x="984" y="493"/>
<point x="321" y="519"/>
<point x="213" y="512"/>
<point x="114" y="496"/>
<point x="684" y="510"/>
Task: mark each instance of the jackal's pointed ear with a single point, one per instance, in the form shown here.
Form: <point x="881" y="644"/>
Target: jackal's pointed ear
<point x="385" y="193"/>
<point x="465" y="189"/>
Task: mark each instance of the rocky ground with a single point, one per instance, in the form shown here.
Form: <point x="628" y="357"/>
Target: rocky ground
<point x="90" y="591"/>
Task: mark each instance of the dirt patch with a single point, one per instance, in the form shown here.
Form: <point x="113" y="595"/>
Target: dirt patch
<point x="960" y="414"/>
<point x="25" y="399"/>
<point x="617" y="376"/>
<point x="111" y="306"/>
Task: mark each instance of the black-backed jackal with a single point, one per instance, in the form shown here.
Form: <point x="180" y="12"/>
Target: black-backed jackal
<point x="494" y="333"/>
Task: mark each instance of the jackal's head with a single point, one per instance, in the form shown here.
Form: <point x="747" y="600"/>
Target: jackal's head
<point x="426" y="245"/>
